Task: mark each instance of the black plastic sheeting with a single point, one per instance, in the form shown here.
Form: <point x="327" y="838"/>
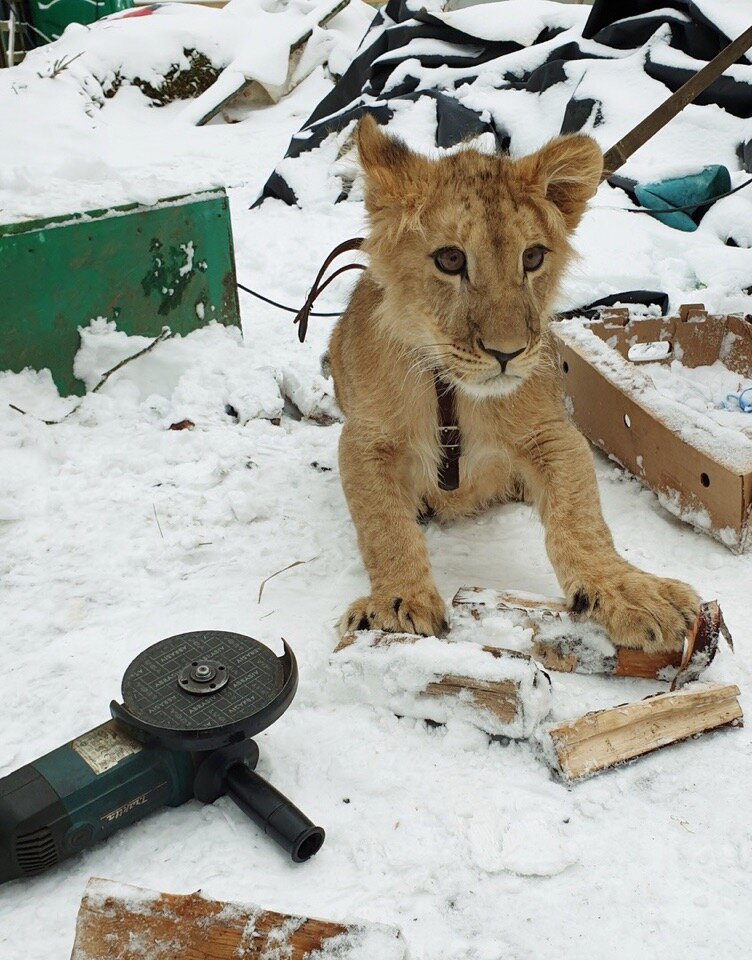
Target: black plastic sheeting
<point x="616" y="25"/>
<point x="646" y="298"/>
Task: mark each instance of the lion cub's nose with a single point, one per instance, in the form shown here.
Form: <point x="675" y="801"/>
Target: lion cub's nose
<point x="503" y="358"/>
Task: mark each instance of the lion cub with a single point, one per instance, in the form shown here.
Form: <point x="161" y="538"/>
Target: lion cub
<point x="466" y="254"/>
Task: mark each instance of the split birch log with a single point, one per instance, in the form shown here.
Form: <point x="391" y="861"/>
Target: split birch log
<point x="559" y="642"/>
<point x="598" y="741"/>
<point x="502" y="692"/>
<point x="120" y="922"/>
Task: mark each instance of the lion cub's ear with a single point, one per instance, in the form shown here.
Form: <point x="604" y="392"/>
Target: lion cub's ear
<point x="393" y="172"/>
<point x="567" y="170"/>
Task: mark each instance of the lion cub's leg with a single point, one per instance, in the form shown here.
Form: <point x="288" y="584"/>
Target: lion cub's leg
<point x="384" y="510"/>
<point x="637" y="608"/>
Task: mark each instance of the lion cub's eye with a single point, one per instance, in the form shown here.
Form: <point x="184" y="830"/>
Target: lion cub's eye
<point x="450" y="260"/>
<point x="532" y="258"/>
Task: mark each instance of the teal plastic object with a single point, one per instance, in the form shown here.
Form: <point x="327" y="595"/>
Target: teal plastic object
<point x="50" y="19"/>
<point x="145" y="267"/>
<point x="694" y="189"/>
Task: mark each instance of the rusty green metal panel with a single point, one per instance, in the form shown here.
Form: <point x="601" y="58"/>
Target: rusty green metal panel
<point x="171" y="264"/>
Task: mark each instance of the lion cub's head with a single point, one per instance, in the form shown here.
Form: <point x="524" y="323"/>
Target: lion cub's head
<point x="469" y="250"/>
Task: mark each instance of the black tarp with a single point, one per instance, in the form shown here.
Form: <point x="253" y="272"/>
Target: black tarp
<point x="380" y="75"/>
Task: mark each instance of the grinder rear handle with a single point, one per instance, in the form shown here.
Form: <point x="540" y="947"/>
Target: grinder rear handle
<point x="87" y="789"/>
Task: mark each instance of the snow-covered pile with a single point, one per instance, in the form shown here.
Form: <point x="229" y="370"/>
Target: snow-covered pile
<point x="79" y="114"/>
<point x="210" y="365"/>
<point x="712" y="391"/>
<point x="252" y="37"/>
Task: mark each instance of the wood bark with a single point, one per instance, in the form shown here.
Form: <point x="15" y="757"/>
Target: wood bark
<point x="567" y="645"/>
<point x="597" y="741"/>
<point x="503" y="699"/>
<point x="119" y="922"/>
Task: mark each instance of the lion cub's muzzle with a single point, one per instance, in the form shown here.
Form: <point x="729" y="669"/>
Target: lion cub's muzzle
<point x="502" y="358"/>
<point x="484" y="371"/>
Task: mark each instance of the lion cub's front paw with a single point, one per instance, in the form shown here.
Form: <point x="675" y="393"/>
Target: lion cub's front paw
<point x="422" y="613"/>
<point x="637" y="609"/>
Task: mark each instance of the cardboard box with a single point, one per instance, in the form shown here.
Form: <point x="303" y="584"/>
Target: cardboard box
<point x="699" y="477"/>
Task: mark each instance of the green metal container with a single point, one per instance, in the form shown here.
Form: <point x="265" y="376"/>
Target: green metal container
<point x="51" y="18"/>
<point x="171" y="264"/>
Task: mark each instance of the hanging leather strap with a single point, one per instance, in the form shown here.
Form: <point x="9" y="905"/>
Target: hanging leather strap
<point x="301" y="317"/>
<point x="450" y="440"/>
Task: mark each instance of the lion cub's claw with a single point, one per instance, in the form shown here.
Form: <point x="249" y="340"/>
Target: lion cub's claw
<point x="423" y="614"/>
<point x="637" y="609"/>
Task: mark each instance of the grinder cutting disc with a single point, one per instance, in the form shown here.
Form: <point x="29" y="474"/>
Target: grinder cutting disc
<point x="204" y="690"/>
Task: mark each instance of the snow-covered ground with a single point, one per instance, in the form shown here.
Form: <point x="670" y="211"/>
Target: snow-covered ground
<point x="117" y="532"/>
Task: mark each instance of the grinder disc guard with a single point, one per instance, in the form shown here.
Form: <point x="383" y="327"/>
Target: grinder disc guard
<point x="203" y="690"/>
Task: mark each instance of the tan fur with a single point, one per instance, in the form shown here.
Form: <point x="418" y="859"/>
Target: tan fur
<point x="407" y="319"/>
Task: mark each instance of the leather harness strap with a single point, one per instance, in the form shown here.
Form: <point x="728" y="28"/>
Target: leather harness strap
<point x="301" y="317"/>
<point x="450" y="439"/>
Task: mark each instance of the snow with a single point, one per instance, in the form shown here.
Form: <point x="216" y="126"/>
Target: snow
<point x="731" y="16"/>
<point x="360" y="944"/>
<point x="102" y="150"/>
<point x="644" y="352"/>
<point x="117" y="532"/>
<point x="693" y="402"/>
<point x="395" y="675"/>
<point x="522" y="20"/>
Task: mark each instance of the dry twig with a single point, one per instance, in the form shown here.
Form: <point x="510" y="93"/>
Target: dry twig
<point x="289" y="566"/>
<point x="164" y="335"/>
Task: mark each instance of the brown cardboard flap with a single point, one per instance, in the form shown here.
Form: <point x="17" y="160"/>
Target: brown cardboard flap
<point x="698" y="341"/>
<point x="736" y="349"/>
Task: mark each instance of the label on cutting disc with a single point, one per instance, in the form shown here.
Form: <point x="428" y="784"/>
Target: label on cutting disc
<point x="104" y="747"/>
<point x="153" y="693"/>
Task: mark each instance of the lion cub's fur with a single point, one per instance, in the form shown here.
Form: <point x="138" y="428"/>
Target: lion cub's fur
<point x="408" y="319"/>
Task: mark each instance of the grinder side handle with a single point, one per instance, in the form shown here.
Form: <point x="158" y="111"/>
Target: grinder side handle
<point x="277" y="816"/>
<point x="230" y="770"/>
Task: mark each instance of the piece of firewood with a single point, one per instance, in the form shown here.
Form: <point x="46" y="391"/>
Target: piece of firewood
<point x="502" y="692"/>
<point x="560" y="642"/>
<point x="606" y="738"/>
<point x="120" y="922"/>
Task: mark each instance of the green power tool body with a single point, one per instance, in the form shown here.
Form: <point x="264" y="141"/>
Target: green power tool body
<point x="190" y="705"/>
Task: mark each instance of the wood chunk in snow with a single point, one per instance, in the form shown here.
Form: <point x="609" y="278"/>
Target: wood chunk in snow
<point x="560" y="642"/>
<point x="580" y="748"/>
<point x="120" y="922"/>
<point x="502" y="692"/>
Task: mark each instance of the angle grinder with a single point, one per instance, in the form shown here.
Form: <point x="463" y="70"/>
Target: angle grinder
<point x="191" y="704"/>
